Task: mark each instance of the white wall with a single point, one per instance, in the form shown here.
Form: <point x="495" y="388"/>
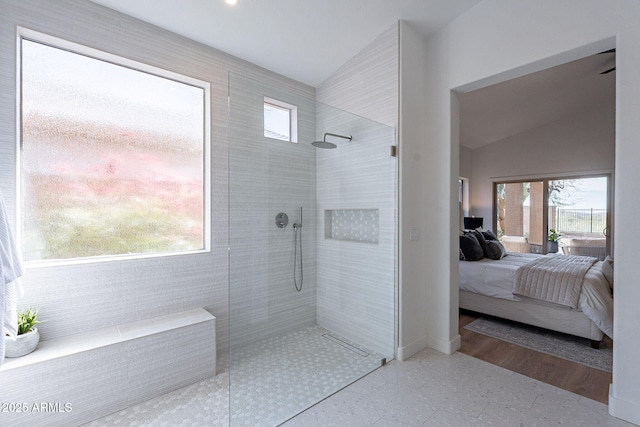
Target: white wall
<point x="465" y="162"/>
<point x="495" y="41"/>
<point x="580" y="144"/>
<point x="415" y="313"/>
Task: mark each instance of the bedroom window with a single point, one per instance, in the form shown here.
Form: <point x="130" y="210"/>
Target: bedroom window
<point x="113" y="155"/>
<point x="575" y="208"/>
<point x="280" y="120"/>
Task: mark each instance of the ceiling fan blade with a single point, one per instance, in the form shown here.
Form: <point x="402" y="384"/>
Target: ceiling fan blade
<point x="608" y="71"/>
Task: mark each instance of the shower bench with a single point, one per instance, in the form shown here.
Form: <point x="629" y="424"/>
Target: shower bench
<point x="75" y="379"/>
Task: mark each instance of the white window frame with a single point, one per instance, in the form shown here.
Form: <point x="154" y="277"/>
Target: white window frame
<point x="293" y="118"/>
<point x="55" y="42"/>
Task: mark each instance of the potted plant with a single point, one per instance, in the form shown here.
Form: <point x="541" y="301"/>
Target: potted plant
<point x="553" y="239"/>
<point x="28" y="335"/>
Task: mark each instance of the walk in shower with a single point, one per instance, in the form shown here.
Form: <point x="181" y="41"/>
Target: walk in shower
<point x="312" y="232"/>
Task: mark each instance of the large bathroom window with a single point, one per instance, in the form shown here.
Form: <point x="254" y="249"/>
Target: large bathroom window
<point x="113" y="155"/>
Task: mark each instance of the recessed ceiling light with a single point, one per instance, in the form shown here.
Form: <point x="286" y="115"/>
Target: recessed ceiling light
<point x="231" y="2"/>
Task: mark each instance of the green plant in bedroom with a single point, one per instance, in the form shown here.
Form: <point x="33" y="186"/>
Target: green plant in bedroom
<point x="554" y="236"/>
<point x="553" y="239"/>
<point x="28" y="335"/>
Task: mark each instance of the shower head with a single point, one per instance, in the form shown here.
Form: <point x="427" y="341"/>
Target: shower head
<point x="325" y="144"/>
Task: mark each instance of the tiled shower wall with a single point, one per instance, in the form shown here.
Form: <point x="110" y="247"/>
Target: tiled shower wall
<point x="267" y="177"/>
<point x="80" y="298"/>
<point x="356" y="280"/>
<point x="356" y="263"/>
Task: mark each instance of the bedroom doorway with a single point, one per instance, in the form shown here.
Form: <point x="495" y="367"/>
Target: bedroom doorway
<point x="572" y="219"/>
<point x="527" y="129"/>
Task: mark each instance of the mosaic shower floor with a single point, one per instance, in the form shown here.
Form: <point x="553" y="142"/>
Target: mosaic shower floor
<point x="268" y="383"/>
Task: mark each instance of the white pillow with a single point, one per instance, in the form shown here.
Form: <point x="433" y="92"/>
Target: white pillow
<point x="607" y="270"/>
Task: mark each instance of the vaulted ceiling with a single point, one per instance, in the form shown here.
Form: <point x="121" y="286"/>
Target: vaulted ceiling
<point x="307" y="40"/>
<point x="506" y="109"/>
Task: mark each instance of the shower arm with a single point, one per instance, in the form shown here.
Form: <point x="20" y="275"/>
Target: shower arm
<point x="337" y="136"/>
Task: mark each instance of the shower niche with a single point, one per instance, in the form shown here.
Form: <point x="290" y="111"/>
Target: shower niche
<point x="355" y="225"/>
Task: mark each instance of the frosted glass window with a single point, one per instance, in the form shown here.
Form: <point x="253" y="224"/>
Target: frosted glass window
<point x="280" y="120"/>
<point x="112" y="158"/>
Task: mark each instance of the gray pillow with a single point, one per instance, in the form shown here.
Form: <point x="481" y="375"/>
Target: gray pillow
<point x="479" y="236"/>
<point x="489" y="235"/>
<point x="494" y="250"/>
<point x="470" y="247"/>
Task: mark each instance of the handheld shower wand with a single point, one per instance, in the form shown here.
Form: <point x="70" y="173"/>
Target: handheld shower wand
<point x="297" y="228"/>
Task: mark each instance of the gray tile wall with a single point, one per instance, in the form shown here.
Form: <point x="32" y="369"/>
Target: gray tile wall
<point x="368" y="85"/>
<point x="84" y="297"/>
<point x="356" y="280"/>
<point x="266" y="177"/>
<point x="356" y="291"/>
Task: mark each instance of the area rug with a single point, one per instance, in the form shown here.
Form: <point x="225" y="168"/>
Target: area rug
<point x="556" y="344"/>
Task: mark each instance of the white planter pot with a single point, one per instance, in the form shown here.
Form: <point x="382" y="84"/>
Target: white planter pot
<point x="24" y="344"/>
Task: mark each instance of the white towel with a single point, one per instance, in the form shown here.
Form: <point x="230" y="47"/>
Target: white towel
<point x="10" y="287"/>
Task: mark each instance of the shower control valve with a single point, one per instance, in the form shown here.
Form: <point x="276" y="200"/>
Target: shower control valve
<point x="282" y="220"/>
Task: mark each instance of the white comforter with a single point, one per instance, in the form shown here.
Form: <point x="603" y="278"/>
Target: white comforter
<point x="497" y="278"/>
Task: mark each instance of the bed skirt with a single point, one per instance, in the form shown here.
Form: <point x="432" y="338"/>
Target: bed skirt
<point x="553" y="317"/>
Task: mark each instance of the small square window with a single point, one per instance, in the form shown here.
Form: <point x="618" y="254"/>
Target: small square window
<point x="280" y="120"/>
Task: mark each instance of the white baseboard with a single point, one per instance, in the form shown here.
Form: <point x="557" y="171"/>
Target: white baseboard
<point x="405" y="352"/>
<point x="443" y="346"/>
<point x="625" y="410"/>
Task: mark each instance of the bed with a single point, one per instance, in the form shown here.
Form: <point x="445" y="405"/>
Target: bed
<point x="487" y="286"/>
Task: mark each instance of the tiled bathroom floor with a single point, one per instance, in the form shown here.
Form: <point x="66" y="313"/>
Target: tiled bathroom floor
<point x="430" y="389"/>
<point x="275" y="379"/>
<point x="270" y="382"/>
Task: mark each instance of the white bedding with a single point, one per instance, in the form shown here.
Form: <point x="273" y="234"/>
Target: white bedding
<point x="497" y="278"/>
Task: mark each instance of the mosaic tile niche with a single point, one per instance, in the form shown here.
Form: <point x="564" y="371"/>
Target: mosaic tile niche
<point x="356" y="225"/>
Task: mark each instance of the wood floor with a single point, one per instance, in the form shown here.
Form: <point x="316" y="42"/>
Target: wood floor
<point x="571" y="376"/>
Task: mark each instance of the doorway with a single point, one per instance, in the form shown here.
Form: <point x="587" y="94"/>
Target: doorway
<point x="514" y="134"/>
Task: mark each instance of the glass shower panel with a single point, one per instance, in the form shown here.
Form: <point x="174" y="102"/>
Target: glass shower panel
<point x="312" y="236"/>
<point x="357" y="230"/>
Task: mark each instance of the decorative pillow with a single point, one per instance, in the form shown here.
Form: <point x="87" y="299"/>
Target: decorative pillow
<point x="489" y="235"/>
<point x="479" y="236"/>
<point x="494" y="250"/>
<point x="607" y="270"/>
<point x="470" y="247"/>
